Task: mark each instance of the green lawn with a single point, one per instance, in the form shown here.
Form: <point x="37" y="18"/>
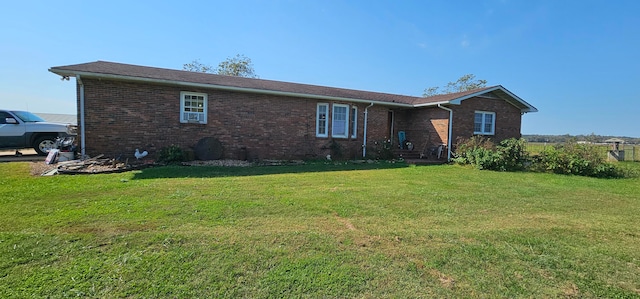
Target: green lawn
<point x="354" y="231"/>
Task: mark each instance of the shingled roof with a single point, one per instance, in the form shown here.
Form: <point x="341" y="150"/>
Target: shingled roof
<point x="120" y="71"/>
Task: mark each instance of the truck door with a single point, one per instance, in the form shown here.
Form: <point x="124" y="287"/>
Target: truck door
<point x="12" y="135"/>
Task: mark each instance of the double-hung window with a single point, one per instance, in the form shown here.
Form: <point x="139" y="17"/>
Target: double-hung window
<point x="322" y="120"/>
<point x="193" y="107"/>
<point x="340" y="121"/>
<point x="484" y="123"/>
<point x="354" y="122"/>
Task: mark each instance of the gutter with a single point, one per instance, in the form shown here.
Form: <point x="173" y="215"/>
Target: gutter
<point x="450" y="131"/>
<point x="431" y="104"/>
<point x="364" y="141"/>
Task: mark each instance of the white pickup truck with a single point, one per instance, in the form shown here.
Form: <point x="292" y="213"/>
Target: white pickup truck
<point x="21" y="129"/>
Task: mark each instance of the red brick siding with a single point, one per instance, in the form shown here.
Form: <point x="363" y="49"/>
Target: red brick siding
<point x="508" y="118"/>
<point x="424" y="127"/>
<point x="378" y="124"/>
<point x="122" y="116"/>
<point x="429" y="126"/>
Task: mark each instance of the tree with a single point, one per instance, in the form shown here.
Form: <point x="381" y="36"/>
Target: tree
<point x="239" y="66"/>
<point x="196" y="66"/>
<point x="464" y="83"/>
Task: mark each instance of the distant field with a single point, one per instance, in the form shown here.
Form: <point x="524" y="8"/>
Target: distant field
<point x="383" y="230"/>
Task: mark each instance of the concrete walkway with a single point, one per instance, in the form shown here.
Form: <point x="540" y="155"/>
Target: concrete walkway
<point x="28" y="154"/>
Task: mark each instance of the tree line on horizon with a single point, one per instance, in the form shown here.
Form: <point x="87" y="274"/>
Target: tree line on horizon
<point x="592" y="138"/>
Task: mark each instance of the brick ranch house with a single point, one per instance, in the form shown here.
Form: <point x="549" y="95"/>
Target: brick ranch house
<point x="122" y="107"/>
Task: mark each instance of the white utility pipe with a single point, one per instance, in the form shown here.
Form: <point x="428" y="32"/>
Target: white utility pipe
<point x="364" y="142"/>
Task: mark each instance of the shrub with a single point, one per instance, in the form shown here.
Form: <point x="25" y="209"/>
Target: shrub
<point x="382" y="150"/>
<point x="509" y="155"/>
<point x="576" y="159"/>
<point x="172" y="154"/>
<point x="336" y="150"/>
<point x="513" y="154"/>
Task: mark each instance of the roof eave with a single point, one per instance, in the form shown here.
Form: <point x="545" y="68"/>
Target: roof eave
<point x="70" y="73"/>
<point x="511" y="98"/>
<point x="431" y="104"/>
<point x="526" y="107"/>
<point x="522" y="104"/>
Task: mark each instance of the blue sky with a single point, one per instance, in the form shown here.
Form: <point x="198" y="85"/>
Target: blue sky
<point x="578" y="62"/>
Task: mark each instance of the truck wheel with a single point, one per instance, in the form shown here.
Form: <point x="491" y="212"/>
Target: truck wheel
<point x="44" y="144"/>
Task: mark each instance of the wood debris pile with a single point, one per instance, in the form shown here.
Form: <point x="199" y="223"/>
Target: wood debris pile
<point x="93" y="165"/>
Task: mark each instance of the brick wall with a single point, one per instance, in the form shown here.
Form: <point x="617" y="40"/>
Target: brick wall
<point x="122" y="116"/>
<point x="507" y="122"/>
<point x="428" y="127"/>
<point x="424" y="127"/>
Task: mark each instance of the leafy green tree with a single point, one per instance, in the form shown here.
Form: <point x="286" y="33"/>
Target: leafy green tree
<point x="464" y="83"/>
<point x="239" y="66"/>
<point x="197" y="66"/>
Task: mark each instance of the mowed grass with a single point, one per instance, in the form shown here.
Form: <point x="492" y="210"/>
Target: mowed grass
<point x="314" y="231"/>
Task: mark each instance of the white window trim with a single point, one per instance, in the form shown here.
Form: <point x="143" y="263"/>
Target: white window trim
<point x="353" y="125"/>
<point x="182" y="101"/>
<point x="326" y="120"/>
<point x="493" y="123"/>
<point x="346" y="121"/>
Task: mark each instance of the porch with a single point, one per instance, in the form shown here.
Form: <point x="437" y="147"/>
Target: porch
<point x="417" y="147"/>
<point x="431" y="157"/>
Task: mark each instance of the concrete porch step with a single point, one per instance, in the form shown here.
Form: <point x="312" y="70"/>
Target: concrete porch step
<point x="407" y="154"/>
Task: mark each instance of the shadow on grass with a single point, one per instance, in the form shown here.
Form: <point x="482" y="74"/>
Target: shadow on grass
<point x="221" y="171"/>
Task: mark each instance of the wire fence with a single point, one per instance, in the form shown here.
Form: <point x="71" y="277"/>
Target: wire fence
<point x="625" y="152"/>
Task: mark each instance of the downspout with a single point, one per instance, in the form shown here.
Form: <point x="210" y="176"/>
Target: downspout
<point x="450" y="130"/>
<point x="364" y="142"/>
<point x="82" y="140"/>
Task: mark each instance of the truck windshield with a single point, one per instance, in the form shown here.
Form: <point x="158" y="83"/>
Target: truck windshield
<point x="27" y="117"/>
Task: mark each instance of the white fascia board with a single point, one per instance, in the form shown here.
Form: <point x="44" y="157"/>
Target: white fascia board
<point x="226" y="88"/>
<point x="529" y="108"/>
<point x="434" y="104"/>
<point x="458" y="101"/>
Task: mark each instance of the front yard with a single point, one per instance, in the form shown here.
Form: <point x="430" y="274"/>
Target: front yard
<point x="363" y="231"/>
